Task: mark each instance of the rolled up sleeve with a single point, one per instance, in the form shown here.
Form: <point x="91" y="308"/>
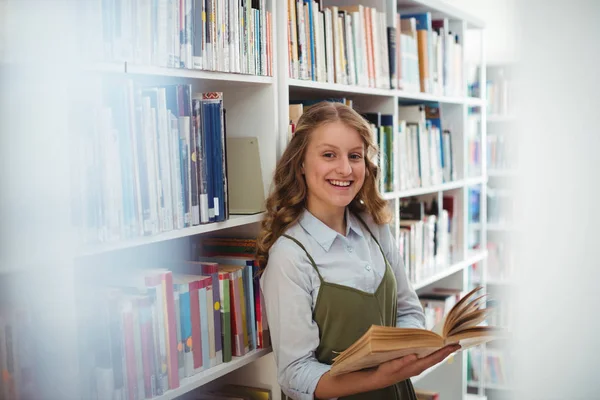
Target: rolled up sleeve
<point x="286" y="285"/>
<point x="410" y="312"/>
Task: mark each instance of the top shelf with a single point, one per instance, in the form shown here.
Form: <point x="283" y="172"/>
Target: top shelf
<point x="300" y="86"/>
<point x="440" y="9"/>
<point x="184" y="73"/>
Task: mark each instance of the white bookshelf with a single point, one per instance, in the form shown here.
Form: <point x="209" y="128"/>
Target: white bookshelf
<point x="470" y="259"/>
<point x="498" y="185"/>
<point x="258" y="106"/>
<point x="234" y="220"/>
<point x="211" y="374"/>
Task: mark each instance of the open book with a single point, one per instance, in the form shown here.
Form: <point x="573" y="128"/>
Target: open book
<point x="380" y="343"/>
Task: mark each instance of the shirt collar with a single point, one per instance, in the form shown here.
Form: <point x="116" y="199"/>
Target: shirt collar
<point x="353" y="224"/>
<point x="323" y="234"/>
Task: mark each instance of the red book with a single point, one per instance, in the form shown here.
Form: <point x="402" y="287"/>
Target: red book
<point x="195" y="315"/>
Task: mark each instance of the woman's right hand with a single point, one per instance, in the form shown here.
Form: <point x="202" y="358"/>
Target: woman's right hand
<point x="400" y="369"/>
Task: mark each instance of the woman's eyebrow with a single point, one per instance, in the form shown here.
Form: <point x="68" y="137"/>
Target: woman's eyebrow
<point x="337" y="148"/>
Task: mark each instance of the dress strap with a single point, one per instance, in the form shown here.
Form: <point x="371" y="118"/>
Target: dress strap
<point x="308" y="254"/>
<point x="373" y="236"/>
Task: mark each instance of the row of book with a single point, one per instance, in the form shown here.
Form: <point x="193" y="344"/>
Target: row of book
<point x="147" y="330"/>
<point x="502" y="151"/>
<point x="419" y="155"/>
<point x="500" y="206"/>
<point x="217" y="35"/>
<point x="496" y="371"/>
<point x="501" y="261"/>
<point x="427" y="237"/>
<point x="499" y="96"/>
<point x="152" y="160"/>
<point x="382" y="134"/>
<point x="437" y="303"/>
<point x="355" y="45"/>
<point x="17" y="366"/>
<point x="425" y="148"/>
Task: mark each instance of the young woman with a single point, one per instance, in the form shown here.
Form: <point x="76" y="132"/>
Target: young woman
<point x="331" y="268"/>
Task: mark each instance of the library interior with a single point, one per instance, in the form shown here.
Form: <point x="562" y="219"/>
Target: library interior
<point x="299" y="199"/>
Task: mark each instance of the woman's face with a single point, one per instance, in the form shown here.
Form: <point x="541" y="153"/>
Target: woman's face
<point x="334" y="166"/>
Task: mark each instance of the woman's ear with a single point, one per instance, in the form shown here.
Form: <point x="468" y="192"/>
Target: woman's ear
<point x="302" y="168"/>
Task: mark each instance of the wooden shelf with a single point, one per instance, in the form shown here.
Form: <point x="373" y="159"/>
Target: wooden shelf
<point x="233" y="221"/>
<point x="202" y="378"/>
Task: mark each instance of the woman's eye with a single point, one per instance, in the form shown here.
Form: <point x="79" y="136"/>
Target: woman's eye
<point x="355" y="156"/>
<point x="329" y="155"/>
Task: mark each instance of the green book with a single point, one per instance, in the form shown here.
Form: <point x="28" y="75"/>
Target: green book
<point x="225" y="315"/>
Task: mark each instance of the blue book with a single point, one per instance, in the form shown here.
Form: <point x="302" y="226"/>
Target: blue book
<point x="311" y="37"/>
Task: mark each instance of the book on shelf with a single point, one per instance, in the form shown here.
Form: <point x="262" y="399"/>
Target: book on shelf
<point x="437" y="303"/>
<point x="358" y="45"/>
<point x="19" y="342"/>
<point x="425" y="238"/>
<point x="152" y="161"/>
<point x="146" y="330"/>
<point x="425" y="147"/>
<point x="496" y="371"/>
<point x="419" y="155"/>
<point x="426" y="394"/>
<point x="229" y="36"/>
<point x="380" y="344"/>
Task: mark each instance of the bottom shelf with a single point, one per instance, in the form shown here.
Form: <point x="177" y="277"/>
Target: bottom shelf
<point x="470" y="396"/>
<point x="204" y="377"/>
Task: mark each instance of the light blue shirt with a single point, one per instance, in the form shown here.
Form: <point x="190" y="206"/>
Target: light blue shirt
<point x="290" y="286"/>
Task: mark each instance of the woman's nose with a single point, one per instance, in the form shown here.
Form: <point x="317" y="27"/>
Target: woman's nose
<point x="344" y="167"/>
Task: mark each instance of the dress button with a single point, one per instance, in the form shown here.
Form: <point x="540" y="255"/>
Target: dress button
<point x="350" y="249"/>
<point x="368" y="267"/>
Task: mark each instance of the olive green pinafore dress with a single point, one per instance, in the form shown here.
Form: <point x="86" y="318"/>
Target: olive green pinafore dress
<point x="343" y="314"/>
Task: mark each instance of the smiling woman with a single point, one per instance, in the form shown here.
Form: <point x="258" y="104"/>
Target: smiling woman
<point x="330" y="267"/>
<point x="334" y="170"/>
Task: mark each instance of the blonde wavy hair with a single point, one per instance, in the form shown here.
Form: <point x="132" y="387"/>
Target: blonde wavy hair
<point x="287" y="199"/>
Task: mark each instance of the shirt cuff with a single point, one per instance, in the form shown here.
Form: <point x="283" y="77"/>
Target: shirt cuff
<point x="317" y="370"/>
<point x="409" y="322"/>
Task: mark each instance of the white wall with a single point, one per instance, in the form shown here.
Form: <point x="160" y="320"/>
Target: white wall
<point x="500" y="30"/>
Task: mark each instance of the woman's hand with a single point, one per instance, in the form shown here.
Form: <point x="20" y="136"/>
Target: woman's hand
<point x="397" y="370"/>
